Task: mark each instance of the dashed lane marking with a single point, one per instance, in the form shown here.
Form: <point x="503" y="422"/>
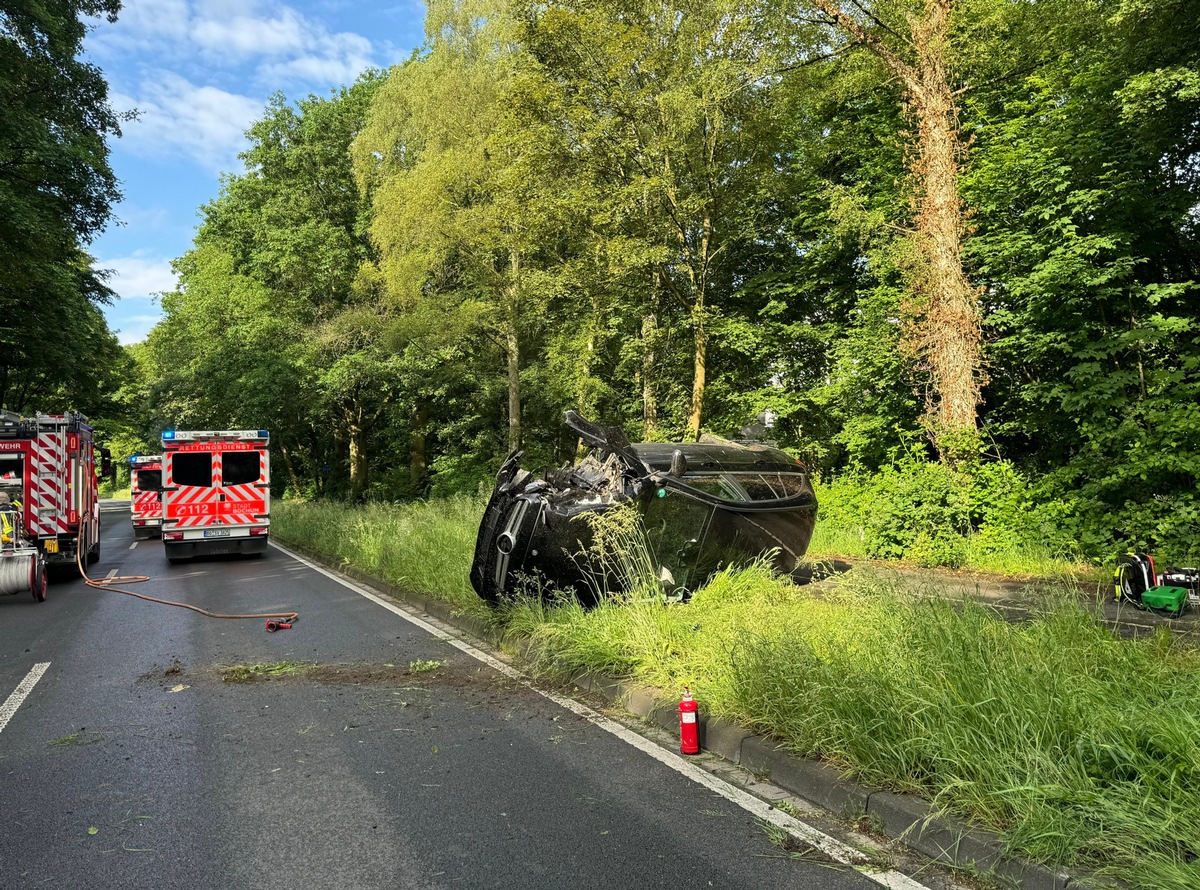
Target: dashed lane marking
<point x="801" y="831"/>
<point x="21" y="693"/>
<point x="133" y="545"/>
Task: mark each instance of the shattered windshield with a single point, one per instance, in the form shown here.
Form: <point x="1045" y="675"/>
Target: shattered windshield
<point x="750" y="486"/>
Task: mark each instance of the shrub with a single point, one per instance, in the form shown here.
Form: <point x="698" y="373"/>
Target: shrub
<point x="984" y="513"/>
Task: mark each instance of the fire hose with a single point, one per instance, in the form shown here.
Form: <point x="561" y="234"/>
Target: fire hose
<point x="278" y="618"/>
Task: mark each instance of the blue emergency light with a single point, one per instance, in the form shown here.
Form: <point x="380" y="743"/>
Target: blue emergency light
<point x="168" y="434"/>
<point x="262" y="434"/>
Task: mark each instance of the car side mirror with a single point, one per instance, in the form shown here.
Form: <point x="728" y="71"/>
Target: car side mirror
<point x="678" y="464"/>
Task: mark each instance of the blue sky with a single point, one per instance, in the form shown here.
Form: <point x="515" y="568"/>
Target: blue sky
<point x="200" y="72"/>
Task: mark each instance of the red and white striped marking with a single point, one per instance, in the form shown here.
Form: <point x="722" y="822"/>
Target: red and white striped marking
<point x="48" y="485"/>
<point x="192" y="506"/>
<point x="146" y="505"/>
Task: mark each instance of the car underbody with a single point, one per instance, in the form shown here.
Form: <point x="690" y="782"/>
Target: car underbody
<point x="700" y="506"/>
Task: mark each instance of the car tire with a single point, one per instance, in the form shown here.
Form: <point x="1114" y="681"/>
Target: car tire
<point x="39" y="582"/>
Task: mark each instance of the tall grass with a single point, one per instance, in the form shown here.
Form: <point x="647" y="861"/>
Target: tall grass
<point x="425" y="547"/>
<point x="1083" y="749"/>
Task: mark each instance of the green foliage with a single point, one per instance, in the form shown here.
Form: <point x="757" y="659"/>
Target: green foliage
<point x="568" y="205"/>
<point x="56" y="194"/>
<point x="985" y="513"/>
<point x="1085" y="217"/>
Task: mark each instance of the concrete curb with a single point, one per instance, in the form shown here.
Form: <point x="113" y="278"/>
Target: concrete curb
<point x="911" y="820"/>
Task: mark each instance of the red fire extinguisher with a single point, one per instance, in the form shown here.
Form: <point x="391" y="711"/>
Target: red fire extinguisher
<point x="689" y="729"/>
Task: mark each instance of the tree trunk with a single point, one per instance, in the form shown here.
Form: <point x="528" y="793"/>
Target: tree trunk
<point x="291" y="469"/>
<point x="949" y="332"/>
<point x="513" y="349"/>
<point x="335" y="480"/>
<point x="700" y="337"/>
<point x="359" y="467"/>
<point x="649" y="399"/>
<point x="418" y="467"/>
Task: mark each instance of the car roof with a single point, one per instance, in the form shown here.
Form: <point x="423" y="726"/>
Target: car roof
<point x="702" y="456"/>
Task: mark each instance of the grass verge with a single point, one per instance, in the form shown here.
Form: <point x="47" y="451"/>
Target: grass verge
<point x="425" y="547"/>
<point x="1082" y="749"/>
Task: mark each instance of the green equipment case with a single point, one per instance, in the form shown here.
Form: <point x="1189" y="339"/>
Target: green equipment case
<point x="1170" y="601"/>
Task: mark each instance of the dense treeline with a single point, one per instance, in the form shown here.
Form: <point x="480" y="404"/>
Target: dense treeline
<point x="56" y="195"/>
<point x="956" y="237"/>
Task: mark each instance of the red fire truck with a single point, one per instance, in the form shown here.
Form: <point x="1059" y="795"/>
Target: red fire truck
<point x="145" y="495"/>
<point x="216" y="494"/>
<point x="48" y="463"/>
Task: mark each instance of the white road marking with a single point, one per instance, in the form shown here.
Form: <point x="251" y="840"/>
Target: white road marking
<point x="112" y="574"/>
<point x="133" y="545"/>
<point x="21" y="693"/>
<point x="801" y="831"/>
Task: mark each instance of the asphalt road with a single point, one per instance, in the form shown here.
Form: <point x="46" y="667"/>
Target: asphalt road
<point x="401" y="763"/>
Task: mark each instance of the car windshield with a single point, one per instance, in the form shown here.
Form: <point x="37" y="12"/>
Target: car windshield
<point x="149" y="480"/>
<point x="193" y="469"/>
<point x="745" y="487"/>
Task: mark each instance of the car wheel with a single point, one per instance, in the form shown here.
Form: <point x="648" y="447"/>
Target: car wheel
<point x="39" y="582"/>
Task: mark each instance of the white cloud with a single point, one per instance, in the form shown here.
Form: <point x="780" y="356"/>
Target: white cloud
<point x="139" y="276"/>
<point x="135" y="328"/>
<point x="338" y="59"/>
<point x="176" y="116"/>
<point x="246" y="36"/>
<point x="138" y="279"/>
<point x="282" y="45"/>
<point x="144" y="24"/>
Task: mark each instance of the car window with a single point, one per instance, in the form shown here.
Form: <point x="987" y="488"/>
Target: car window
<point x="722" y="486"/>
<point x="149" y="480"/>
<point x="675" y="526"/>
<point x="240" y="467"/>
<point x="193" y="468"/>
<point x="743" y="487"/>
<point x="773" y="486"/>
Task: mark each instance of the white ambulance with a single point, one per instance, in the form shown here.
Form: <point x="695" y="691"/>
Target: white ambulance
<point x="145" y="495"/>
<point x="216" y="492"/>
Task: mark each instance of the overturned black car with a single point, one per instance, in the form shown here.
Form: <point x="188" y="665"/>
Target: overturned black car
<point x="703" y="506"/>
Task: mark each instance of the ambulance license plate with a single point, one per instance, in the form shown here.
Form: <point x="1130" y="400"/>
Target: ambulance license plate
<point x="216" y="533"/>
<point x="52" y="545"/>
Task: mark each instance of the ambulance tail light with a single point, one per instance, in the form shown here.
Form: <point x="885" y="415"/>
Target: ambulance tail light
<point x="172" y="536"/>
<point x="259" y="530"/>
